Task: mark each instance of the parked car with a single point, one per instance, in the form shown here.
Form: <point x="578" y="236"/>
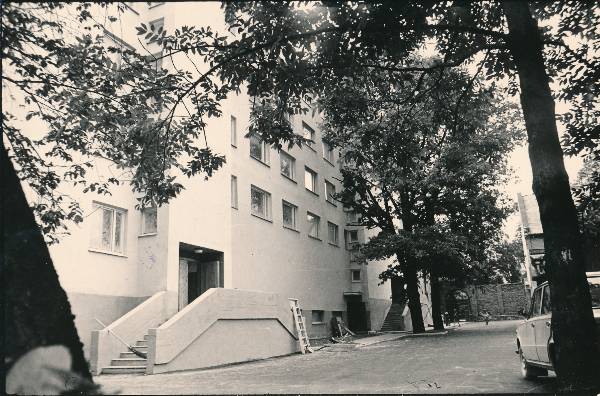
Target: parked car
<point x="535" y="344"/>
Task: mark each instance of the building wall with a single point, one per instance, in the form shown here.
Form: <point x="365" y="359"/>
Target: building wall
<point x="258" y="254"/>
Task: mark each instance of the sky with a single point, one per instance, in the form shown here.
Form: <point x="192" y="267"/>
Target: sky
<point x="522" y="179"/>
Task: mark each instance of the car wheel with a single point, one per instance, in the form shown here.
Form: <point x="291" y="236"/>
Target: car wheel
<point x="530" y="372"/>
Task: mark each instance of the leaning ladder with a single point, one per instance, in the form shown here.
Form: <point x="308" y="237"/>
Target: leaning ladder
<point x="300" y="327"/>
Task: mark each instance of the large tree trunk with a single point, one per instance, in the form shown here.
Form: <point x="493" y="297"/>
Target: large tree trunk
<point x="436" y="301"/>
<point x="36" y="309"/>
<point x="398" y="293"/>
<point x="412" y="293"/>
<point x="576" y="359"/>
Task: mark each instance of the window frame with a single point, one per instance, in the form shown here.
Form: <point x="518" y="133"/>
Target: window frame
<point x="143" y="212"/>
<point x="328" y="152"/>
<point x="320" y="316"/>
<point x="328" y="196"/>
<point x="354" y="271"/>
<point x="318" y="225"/>
<point x="233" y="130"/>
<point x="312" y="133"/>
<point x="264" y="151"/>
<point x="99" y="206"/>
<point x="268" y="216"/>
<point x="348" y="239"/>
<point x="234" y="192"/>
<point x="282" y="155"/>
<point x="543" y="310"/>
<point x="294" y="226"/>
<point x="336" y="228"/>
<point x="537" y="297"/>
<point x="314" y="180"/>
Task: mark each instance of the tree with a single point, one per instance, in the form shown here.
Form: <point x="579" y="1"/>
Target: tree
<point x="289" y="51"/>
<point x="505" y="262"/>
<point x="96" y="100"/>
<point x="422" y="159"/>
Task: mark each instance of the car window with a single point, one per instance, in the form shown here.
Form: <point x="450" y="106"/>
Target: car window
<point x="546" y="305"/>
<point x="536" y="300"/>
<point x="594" y="283"/>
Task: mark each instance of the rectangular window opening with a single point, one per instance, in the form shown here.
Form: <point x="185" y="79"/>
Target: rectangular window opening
<point x="289" y="214"/>
<point x="233" y="130"/>
<point x="328" y="152"/>
<point x="259" y="150"/>
<point x="149" y="220"/>
<point x="288" y="165"/>
<point x="310" y="180"/>
<point x="108" y="229"/>
<point x="234" y="192"/>
<point x="332" y="233"/>
<point x="318" y="316"/>
<point x="313" y="224"/>
<point x="329" y="192"/>
<point x="308" y="133"/>
<point x="260" y="203"/>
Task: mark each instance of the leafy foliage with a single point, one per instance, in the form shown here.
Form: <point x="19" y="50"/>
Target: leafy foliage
<point x="426" y="152"/>
<point x="97" y="98"/>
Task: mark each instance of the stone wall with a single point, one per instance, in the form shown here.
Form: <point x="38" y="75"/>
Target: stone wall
<point x="499" y="300"/>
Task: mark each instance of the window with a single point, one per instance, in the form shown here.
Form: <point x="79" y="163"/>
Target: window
<point x="328" y="152"/>
<point x="259" y="150"/>
<point x="536" y="300"/>
<point x="351" y="238"/>
<point x="234" y="192"/>
<point x="288" y="165"/>
<point x="546" y="302"/>
<point x="313" y="224"/>
<point x="260" y="203"/>
<point x="149" y="221"/>
<point x="233" y="128"/>
<point x="308" y="133"/>
<point x="329" y="192"/>
<point x="108" y="229"/>
<point x="332" y="233"/>
<point x="355" y="275"/>
<point x="289" y="214"/>
<point x="310" y="180"/>
<point x="317" y="316"/>
<point x="156" y="26"/>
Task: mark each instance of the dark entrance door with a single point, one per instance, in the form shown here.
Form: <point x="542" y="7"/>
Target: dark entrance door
<point x="357" y="313"/>
<point x="194" y="281"/>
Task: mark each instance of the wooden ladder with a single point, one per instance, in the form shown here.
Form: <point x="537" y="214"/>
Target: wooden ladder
<point x="300" y="326"/>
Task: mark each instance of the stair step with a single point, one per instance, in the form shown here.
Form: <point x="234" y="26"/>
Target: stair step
<point x="128" y="354"/>
<point x="134" y="361"/>
<point x="123" y="369"/>
<point x="141" y="343"/>
<point x="146" y="337"/>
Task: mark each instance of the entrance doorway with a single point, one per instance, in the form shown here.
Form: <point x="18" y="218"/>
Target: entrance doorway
<point x="357" y="312"/>
<point x="199" y="270"/>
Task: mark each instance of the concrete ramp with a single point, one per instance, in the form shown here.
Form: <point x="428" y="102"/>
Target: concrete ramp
<point x="223" y="326"/>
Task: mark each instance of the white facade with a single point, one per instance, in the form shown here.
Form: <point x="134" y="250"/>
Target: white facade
<point x="204" y="238"/>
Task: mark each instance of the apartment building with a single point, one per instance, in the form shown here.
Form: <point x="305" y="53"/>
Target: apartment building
<point x="266" y="222"/>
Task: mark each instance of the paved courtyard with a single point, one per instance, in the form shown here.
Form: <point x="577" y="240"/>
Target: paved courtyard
<point x="474" y="358"/>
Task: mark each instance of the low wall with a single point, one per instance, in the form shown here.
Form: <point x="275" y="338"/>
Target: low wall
<point x="500" y="300"/>
<point x="223" y="326"/>
<point x="130" y="327"/>
<point x="87" y="307"/>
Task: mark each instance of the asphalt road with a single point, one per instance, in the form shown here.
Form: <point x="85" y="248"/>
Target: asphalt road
<point x="474" y="358"/>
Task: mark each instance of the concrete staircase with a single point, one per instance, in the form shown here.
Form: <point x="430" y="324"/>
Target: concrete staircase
<point x="394" y="321"/>
<point x="128" y="362"/>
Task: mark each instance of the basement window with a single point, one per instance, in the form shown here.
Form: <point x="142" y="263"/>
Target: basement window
<point x="318" y="317"/>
